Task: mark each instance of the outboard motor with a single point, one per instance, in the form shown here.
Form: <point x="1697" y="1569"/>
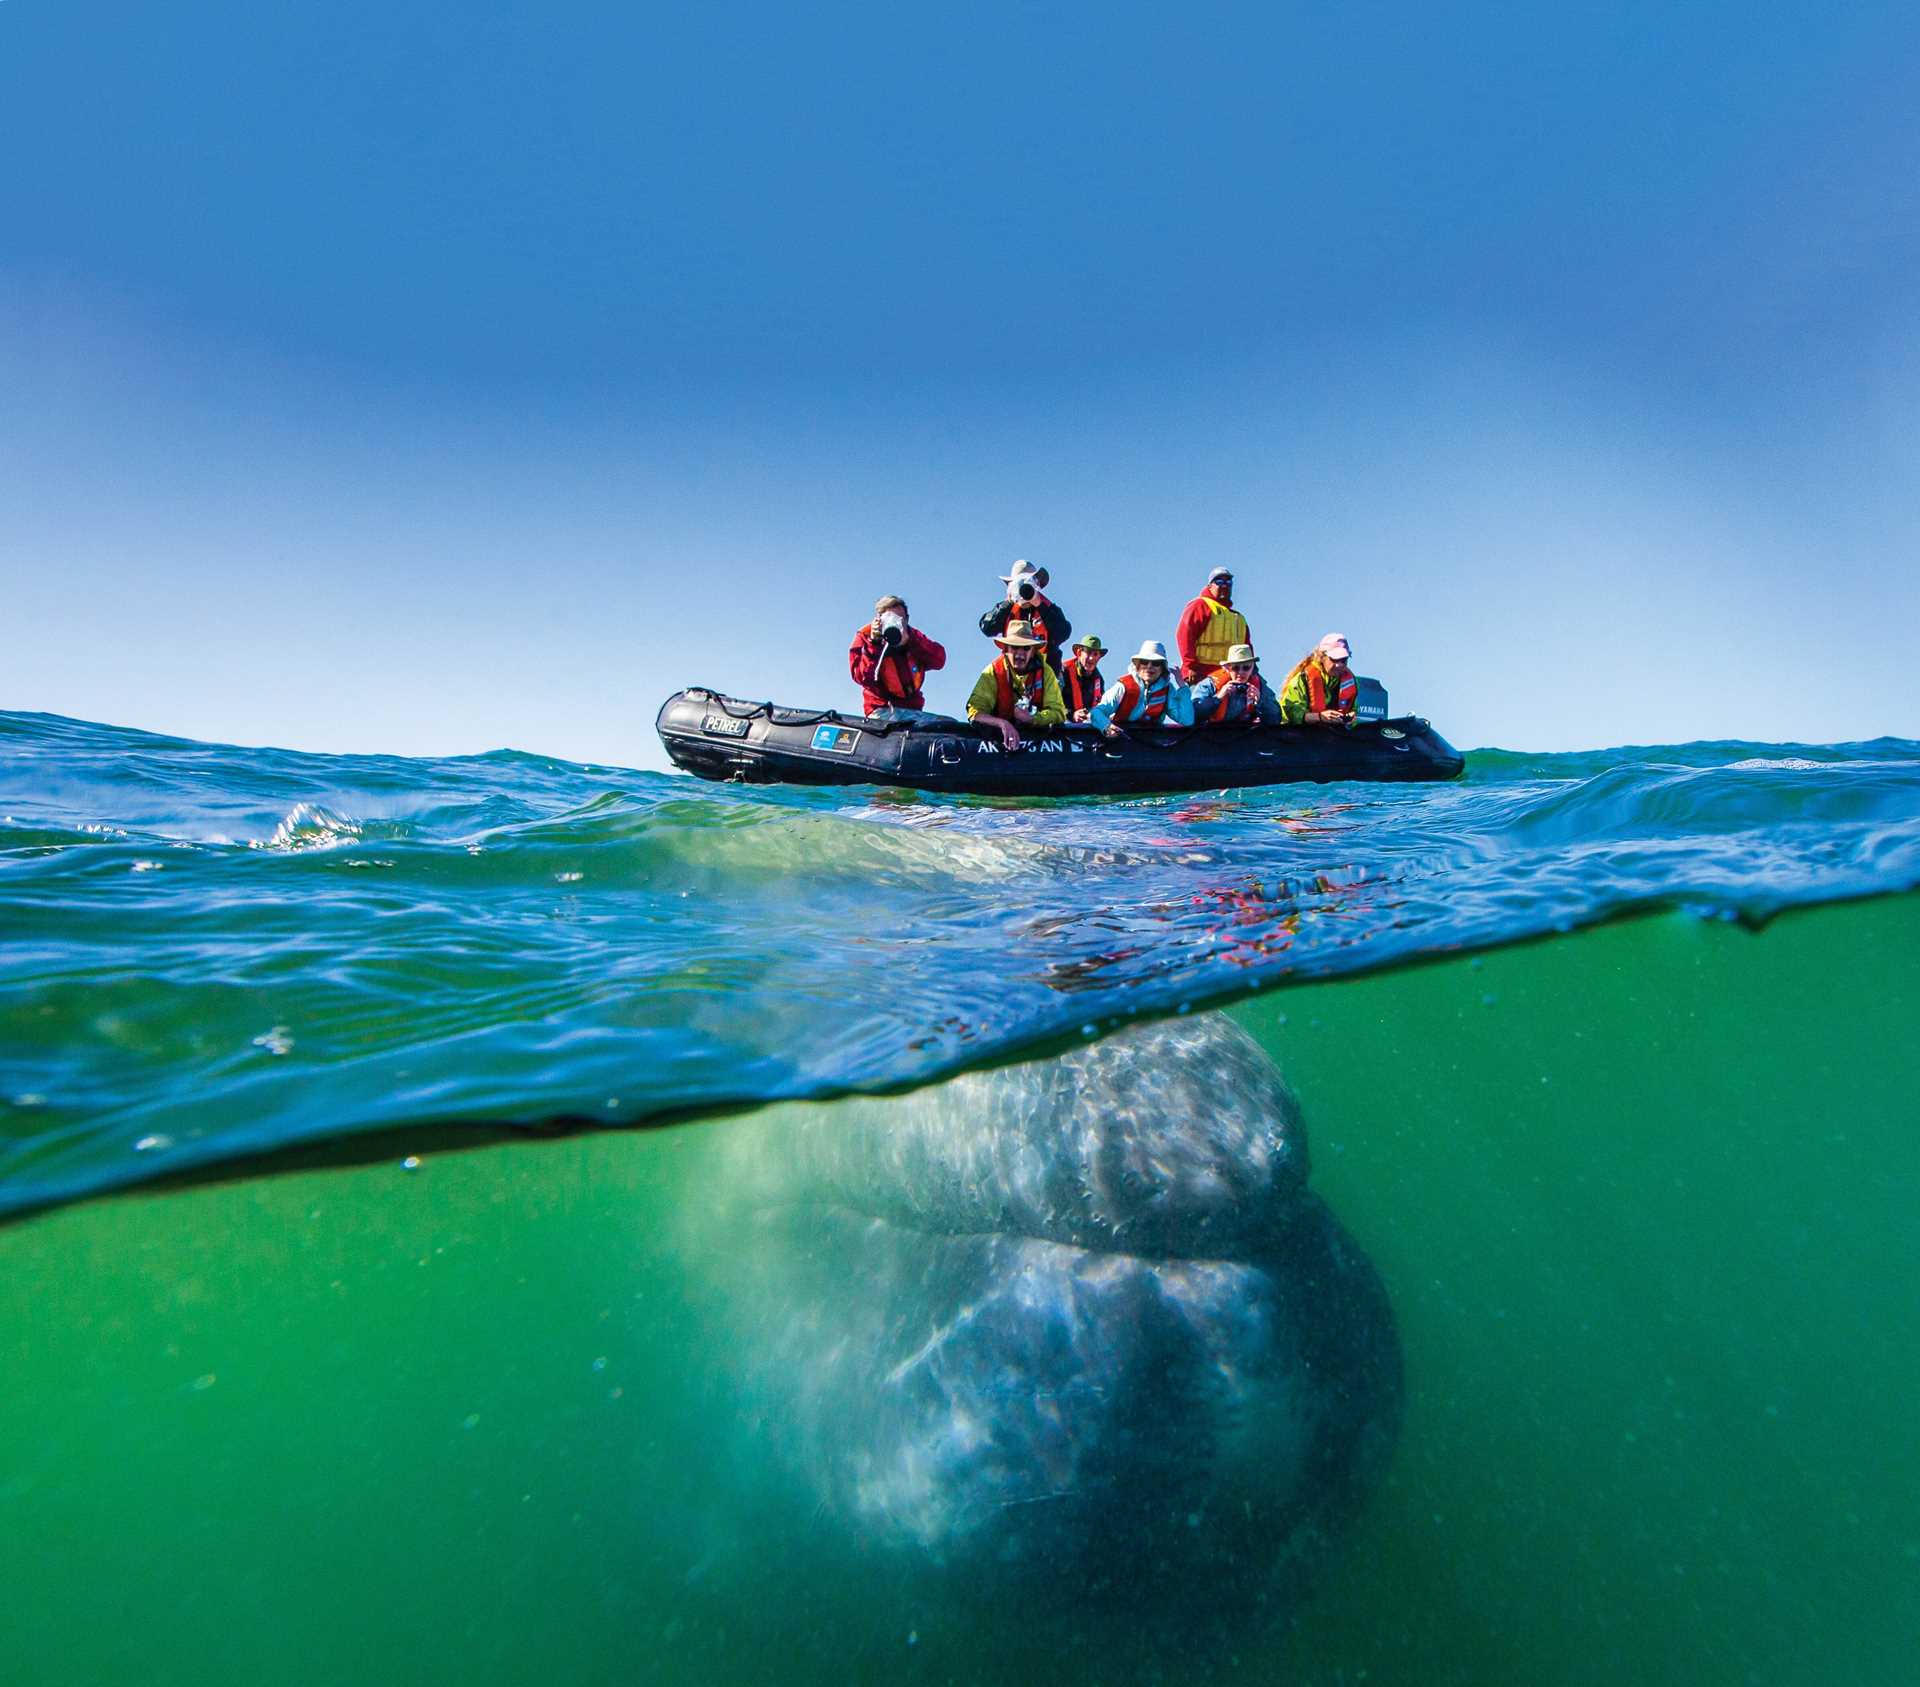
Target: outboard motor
<point x="1370" y="701"/>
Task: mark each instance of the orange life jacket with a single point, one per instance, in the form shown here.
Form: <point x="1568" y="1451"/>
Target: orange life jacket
<point x="1221" y="680"/>
<point x="897" y="665"/>
<point x="1317" y="677"/>
<point x="894" y="662"/>
<point x="1129" y="689"/>
<point x="1026" y="609"/>
<point x="1082" y="690"/>
<point x="1033" y="690"/>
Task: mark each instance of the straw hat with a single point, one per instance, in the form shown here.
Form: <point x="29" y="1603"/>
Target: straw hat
<point x="1237" y="653"/>
<point x="1019" y="636"/>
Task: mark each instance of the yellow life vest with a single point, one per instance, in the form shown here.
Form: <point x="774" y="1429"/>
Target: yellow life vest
<point x="1224" y="629"/>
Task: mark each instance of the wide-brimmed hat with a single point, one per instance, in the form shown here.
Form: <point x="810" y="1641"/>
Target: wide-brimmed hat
<point x="1090" y="642"/>
<point x="1238" y="653"/>
<point x="1335" y="647"/>
<point x="1151" y="651"/>
<point x="1021" y="569"/>
<point x="1019" y="636"/>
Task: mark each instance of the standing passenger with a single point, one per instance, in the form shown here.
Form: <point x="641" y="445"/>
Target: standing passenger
<point x="1080" y="682"/>
<point x="1209" y="627"/>
<point x="889" y="657"/>
<point x="1026" y="601"/>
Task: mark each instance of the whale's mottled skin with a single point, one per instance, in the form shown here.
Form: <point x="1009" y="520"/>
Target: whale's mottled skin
<point x="1079" y="1320"/>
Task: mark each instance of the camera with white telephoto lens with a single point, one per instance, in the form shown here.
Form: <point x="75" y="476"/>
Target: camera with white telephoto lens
<point x="893" y="629"/>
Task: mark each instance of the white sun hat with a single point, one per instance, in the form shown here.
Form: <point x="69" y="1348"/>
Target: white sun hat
<point x="1152" y="651"/>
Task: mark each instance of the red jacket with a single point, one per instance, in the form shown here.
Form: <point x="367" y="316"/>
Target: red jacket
<point x="892" y="677"/>
<point x="1202" y="644"/>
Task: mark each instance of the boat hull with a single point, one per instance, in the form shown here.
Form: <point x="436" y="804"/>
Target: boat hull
<point x="720" y="737"/>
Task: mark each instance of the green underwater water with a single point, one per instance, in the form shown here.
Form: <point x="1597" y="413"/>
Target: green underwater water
<point x="1644" y="1199"/>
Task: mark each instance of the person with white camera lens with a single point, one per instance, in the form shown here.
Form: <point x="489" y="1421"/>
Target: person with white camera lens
<point x="1026" y="600"/>
<point x="889" y="660"/>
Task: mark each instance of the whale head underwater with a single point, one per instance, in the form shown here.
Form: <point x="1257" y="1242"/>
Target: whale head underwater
<point x="1079" y="1322"/>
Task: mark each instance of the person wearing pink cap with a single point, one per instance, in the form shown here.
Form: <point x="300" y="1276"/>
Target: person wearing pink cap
<point x="1321" y="690"/>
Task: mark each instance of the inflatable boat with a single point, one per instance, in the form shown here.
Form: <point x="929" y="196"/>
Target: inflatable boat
<point x="721" y="737"/>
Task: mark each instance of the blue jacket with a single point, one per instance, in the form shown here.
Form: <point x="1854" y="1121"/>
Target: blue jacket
<point x="1205" y="695"/>
<point x="1114" y="704"/>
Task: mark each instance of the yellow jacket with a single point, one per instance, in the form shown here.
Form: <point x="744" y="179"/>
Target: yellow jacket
<point x="993" y="693"/>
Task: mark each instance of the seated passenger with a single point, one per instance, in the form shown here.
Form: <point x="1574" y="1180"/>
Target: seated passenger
<point x="1080" y="683"/>
<point x="1321" y="691"/>
<point x="888" y="658"/>
<point x="1017" y="688"/>
<point x="1234" y="691"/>
<point x="1144" y="696"/>
<point x="1025" y="601"/>
<point x="1209" y="627"/>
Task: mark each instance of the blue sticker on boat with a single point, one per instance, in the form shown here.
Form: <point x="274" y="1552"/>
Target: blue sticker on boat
<point x="843" y="740"/>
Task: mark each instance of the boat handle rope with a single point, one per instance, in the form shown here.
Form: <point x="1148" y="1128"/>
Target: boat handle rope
<point x="882" y="729"/>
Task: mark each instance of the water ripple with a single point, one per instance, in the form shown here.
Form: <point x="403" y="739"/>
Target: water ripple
<point x="214" y="951"/>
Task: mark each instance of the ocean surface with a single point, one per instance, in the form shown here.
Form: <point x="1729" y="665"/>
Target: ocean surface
<point x="1537" y="1151"/>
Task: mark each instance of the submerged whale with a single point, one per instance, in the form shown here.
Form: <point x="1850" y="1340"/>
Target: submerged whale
<point x="1079" y="1322"/>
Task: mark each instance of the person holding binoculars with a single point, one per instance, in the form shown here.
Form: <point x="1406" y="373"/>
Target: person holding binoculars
<point x="889" y="657"/>
<point x="1026" y="600"/>
<point x="1234" y="691"/>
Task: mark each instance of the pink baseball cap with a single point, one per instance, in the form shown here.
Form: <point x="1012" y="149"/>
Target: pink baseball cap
<point x="1334" y="647"/>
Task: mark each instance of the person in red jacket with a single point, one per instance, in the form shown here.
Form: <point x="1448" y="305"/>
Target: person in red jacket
<point x="1209" y="627"/>
<point x="888" y="659"/>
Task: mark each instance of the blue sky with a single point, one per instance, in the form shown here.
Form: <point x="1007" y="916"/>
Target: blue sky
<point x="430" y="378"/>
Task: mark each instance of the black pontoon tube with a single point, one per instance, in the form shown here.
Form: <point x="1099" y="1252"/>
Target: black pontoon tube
<point x="721" y="737"/>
